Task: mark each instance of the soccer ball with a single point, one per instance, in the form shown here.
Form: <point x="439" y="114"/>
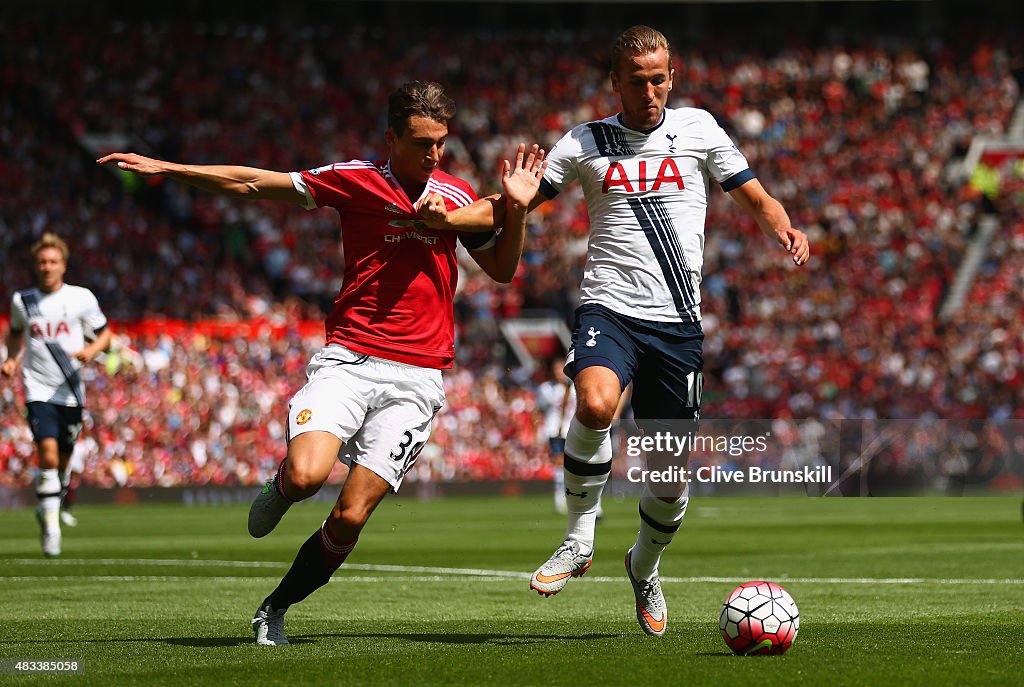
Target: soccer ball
<point x="759" y="618"/>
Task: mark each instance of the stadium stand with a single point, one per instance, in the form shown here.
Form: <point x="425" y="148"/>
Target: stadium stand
<point x="855" y="134"/>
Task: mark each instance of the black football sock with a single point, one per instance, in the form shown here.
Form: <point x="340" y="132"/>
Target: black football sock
<point x="316" y="561"/>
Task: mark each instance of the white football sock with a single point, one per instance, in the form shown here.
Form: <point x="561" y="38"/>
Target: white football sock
<point x="588" y="456"/>
<point x="659" y="522"/>
<point x="48" y="489"/>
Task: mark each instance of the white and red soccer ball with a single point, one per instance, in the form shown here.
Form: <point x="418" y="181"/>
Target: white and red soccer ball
<point x="759" y="618"/>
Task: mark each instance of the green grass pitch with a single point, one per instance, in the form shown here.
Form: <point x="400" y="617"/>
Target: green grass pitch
<point x="900" y="591"/>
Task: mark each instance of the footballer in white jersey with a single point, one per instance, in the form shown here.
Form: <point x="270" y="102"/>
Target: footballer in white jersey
<point x="47" y="339"/>
<point x="54" y="325"/>
<point x="647" y="195"/>
<point x="646" y="175"/>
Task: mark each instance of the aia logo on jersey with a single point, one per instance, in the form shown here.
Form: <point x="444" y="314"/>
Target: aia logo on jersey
<point x="51" y="331"/>
<point x="632" y="176"/>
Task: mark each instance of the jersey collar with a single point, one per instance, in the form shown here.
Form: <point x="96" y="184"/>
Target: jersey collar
<point x="645" y="132"/>
<point x="397" y="185"/>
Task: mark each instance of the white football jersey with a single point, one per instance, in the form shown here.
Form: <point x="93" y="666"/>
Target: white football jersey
<point x="55" y="325"/>
<point x="647" y="196"/>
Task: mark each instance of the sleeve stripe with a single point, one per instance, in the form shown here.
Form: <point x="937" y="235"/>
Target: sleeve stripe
<point x="354" y="164"/>
<point x="548" y="189"/>
<point x="453" y="193"/>
<point x="737" y="180"/>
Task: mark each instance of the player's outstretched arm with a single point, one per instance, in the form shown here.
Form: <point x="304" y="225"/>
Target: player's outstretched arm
<point x="228" y="180"/>
<point x="15" y="342"/>
<point x="485" y="214"/>
<point x="520" y="182"/>
<point x="772" y="218"/>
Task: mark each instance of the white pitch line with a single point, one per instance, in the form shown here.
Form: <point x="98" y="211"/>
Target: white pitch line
<point x="517" y="579"/>
<point x="428" y="574"/>
<point x="199" y="562"/>
<point x="186" y="562"/>
<point x="254" y="578"/>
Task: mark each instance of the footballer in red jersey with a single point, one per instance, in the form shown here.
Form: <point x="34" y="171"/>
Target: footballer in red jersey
<point x="372" y="391"/>
<point x="396" y="297"/>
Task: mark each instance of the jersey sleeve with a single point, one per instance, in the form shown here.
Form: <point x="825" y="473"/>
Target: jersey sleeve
<point x="562" y="162"/>
<point x="457" y="194"/>
<point x="19" y="320"/>
<point x="93" y="318"/>
<point x="327" y="186"/>
<point x="478" y="240"/>
<point x="726" y="163"/>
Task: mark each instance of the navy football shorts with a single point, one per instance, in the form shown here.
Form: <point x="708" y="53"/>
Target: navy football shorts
<point x="663" y="359"/>
<point x="52" y="421"/>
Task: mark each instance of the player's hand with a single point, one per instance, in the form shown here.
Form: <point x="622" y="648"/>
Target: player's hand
<point x="84" y="356"/>
<point x="433" y="210"/>
<point x="146" y="166"/>
<point x="10" y="367"/>
<point x="522" y="181"/>
<point x="795" y="241"/>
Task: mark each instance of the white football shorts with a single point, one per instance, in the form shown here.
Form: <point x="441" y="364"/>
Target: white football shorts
<point x="382" y="410"/>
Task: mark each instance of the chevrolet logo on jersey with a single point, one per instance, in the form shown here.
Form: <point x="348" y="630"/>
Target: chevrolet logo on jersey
<point x="632" y="176"/>
<point x="416" y="226"/>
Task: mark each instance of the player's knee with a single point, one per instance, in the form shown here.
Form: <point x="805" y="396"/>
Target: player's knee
<point x="596" y="410"/>
<point x="348" y="521"/>
<point x="49" y="454"/>
<point x="300" y="480"/>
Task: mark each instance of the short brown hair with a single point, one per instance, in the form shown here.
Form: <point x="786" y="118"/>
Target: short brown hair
<point x="419" y="99"/>
<point x="50" y="240"/>
<point x="638" y="40"/>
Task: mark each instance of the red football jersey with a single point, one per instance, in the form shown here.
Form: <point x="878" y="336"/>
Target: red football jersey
<point x="396" y="299"/>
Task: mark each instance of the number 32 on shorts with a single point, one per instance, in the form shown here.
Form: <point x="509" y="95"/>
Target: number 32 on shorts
<point x="410" y="445"/>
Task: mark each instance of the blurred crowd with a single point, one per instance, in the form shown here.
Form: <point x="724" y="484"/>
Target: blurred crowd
<point x="857" y="135"/>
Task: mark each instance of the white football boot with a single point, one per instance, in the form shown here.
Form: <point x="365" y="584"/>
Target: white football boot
<point x="268" y="625"/>
<point x="565" y="563"/>
<point x="651" y="611"/>
<point x="49" y="532"/>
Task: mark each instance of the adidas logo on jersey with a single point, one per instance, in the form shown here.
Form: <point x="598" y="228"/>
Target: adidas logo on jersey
<point x="393" y="207"/>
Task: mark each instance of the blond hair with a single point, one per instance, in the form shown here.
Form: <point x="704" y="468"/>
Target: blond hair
<point x="638" y="40"/>
<point x="50" y="240"/>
